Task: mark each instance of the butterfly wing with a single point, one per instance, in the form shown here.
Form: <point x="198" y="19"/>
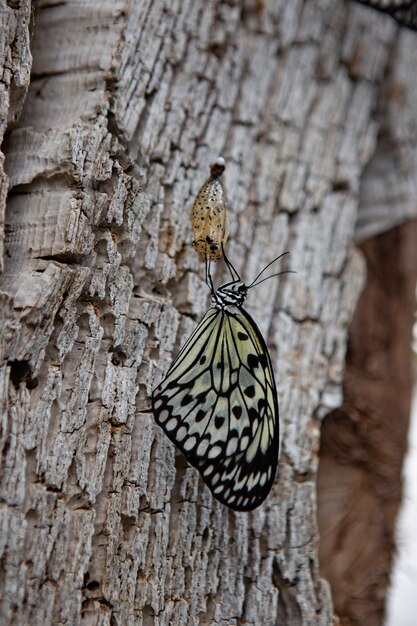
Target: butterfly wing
<point x="218" y="405"/>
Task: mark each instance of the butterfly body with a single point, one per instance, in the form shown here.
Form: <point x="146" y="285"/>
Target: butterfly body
<point x="218" y="403"/>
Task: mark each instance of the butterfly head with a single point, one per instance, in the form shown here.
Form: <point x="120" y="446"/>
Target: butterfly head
<point x="234" y="292"/>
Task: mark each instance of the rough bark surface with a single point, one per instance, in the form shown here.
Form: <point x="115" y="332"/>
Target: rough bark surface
<point x="102" y="521"/>
<point x="364" y="442"/>
<point x="15" y="65"/>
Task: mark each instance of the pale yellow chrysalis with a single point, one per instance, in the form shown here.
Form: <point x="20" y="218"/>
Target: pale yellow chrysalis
<point x="209" y="216"/>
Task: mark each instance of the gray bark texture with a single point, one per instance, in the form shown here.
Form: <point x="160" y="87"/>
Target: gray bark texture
<point x="110" y="132"/>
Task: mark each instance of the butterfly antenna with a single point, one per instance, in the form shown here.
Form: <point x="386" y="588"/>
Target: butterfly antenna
<point x="232" y="270"/>
<point x="265" y="268"/>
<point x="272" y="276"/>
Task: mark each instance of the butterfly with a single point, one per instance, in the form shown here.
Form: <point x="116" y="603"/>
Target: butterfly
<point x="209" y="216"/>
<point x="218" y="402"/>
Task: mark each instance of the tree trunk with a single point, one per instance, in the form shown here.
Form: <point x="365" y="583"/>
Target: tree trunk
<point x="363" y="443"/>
<point x="103" y="522"/>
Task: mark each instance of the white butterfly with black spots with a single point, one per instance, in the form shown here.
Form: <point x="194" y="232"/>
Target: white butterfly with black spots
<point x="218" y="403"/>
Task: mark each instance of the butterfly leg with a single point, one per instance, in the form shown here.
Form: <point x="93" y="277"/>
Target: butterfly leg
<point x="209" y="280"/>
<point x="233" y="272"/>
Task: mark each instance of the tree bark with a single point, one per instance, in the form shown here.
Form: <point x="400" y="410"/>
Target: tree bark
<point x="363" y="443"/>
<point x="103" y="522"/>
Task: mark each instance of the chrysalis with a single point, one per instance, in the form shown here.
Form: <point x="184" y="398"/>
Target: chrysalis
<point x="218" y="403"/>
<point x="209" y="216"/>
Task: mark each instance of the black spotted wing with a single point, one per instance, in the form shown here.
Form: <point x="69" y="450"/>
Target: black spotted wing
<point x="218" y="404"/>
